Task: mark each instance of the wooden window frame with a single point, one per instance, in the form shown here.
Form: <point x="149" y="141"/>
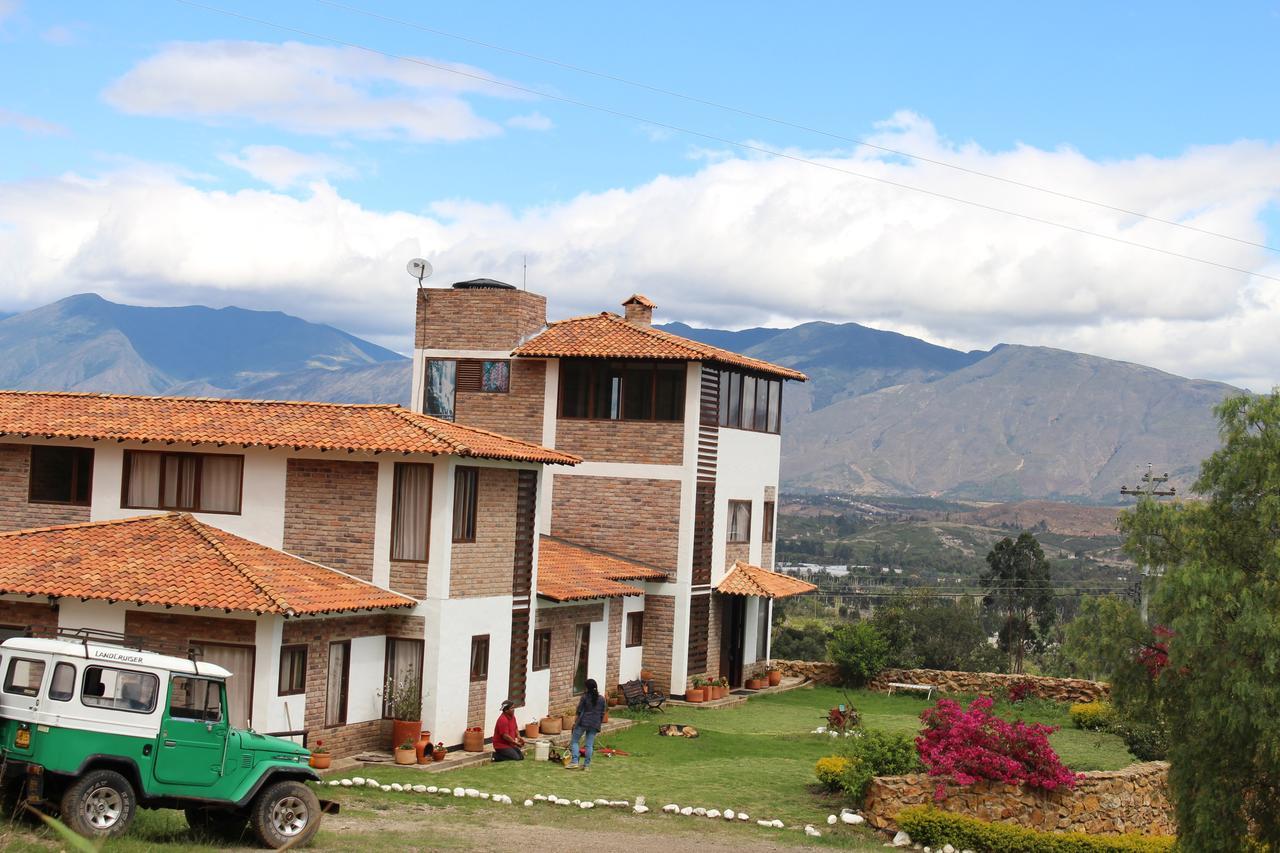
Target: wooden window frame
<point x="585" y="628"/>
<point x="75" y="475"/>
<point x="729" y="526"/>
<point x="164" y="455"/>
<point x="770" y="511"/>
<point x="539" y="635"/>
<point x="594" y="366"/>
<point x="386" y="665"/>
<point x="732" y="418"/>
<point x="343" y="697"/>
<point x="634" y="629"/>
<point x="471" y="512"/>
<point x="281" y="688"/>
<point x="480" y="641"/>
<point x="395" y="514"/>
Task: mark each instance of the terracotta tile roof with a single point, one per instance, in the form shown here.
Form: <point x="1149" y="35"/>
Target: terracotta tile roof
<point x="571" y="572"/>
<point x="746" y="579"/>
<point x="606" y="335"/>
<point x="256" y="423"/>
<point x="641" y="299"/>
<point x="174" y="560"/>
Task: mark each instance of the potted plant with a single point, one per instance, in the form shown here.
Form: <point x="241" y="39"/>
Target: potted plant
<point x="320" y="757"/>
<point x="439" y="753"/>
<point x="723" y="689"/>
<point x="407" y="753"/>
<point x="774" y="675"/>
<point x="756" y="683"/>
<point x="614" y="701"/>
<point x="550" y="725"/>
<point x="473" y="739"/>
<point x="696" y="693"/>
<point x="531" y="730"/>
<point x="404" y="703"/>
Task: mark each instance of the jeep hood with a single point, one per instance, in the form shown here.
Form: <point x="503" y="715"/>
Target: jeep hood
<point x="266" y="743"/>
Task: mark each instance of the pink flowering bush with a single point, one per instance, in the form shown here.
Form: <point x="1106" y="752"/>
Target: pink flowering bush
<point x="973" y="744"/>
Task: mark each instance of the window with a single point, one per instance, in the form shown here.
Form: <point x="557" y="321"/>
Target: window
<point x="630" y="390"/>
<point x="63" y="684"/>
<point x="441" y="388"/>
<point x="495" y="377"/>
<point x="739" y="521"/>
<point x="464" y="503"/>
<point x="61" y="475"/>
<point x="120" y="689"/>
<point x="582" y="644"/>
<point x="335" y="700"/>
<point x="403" y="665"/>
<point x="197" y="699"/>
<point x="199" y="482"/>
<point x="635" y="629"/>
<point x="749" y="402"/>
<point x="8" y="632"/>
<point x="480" y="657"/>
<point x="24" y="676"/>
<point x="411" y="512"/>
<point x="293" y="670"/>
<point x="762" y="630"/>
<point x="542" y="649"/>
<point x="768" y="521"/>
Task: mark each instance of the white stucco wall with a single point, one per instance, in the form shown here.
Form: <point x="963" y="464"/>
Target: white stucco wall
<point x="748" y="463"/>
<point x="629" y="661"/>
<point x="453" y="623"/>
<point x="99" y="615"/>
<point x="368" y="663"/>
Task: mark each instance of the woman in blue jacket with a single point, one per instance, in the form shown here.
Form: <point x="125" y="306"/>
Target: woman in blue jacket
<point x="587" y="724"/>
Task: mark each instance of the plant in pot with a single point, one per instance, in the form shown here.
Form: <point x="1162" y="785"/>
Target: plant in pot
<point x="774" y="675"/>
<point x="697" y="693"/>
<point x="407" y="753"/>
<point x="320" y="757"/>
<point x="723" y="689"/>
<point x="403" y="700"/>
<point x="473" y="739"/>
<point x="756" y="683"/>
<point x="439" y="753"/>
<point x="531" y="730"/>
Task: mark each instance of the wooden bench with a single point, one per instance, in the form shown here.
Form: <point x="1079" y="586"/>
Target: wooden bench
<point x="927" y="688"/>
<point x="640" y="694"/>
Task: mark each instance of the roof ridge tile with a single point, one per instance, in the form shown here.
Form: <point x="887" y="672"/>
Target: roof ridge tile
<point x="206" y="533"/>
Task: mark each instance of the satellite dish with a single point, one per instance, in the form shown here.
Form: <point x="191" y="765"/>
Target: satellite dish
<point x="419" y="268"/>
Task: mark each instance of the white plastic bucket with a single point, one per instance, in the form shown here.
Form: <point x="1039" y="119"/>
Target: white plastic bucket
<point x="542" y="750"/>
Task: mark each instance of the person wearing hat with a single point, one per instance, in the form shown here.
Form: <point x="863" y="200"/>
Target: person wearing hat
<point x="507" y="743"/>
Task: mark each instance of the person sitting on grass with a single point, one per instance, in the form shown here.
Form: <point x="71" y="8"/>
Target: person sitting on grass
<point x="507" y="743"/>
<point x="587" y="725"/>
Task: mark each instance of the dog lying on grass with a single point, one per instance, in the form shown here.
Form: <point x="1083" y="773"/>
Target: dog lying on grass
<point x="677" y="730"/>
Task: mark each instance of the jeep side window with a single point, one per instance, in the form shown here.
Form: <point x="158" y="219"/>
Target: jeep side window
<point x="23" y="676"/>
<point x="120" y="689"/>
<point x="195" y="699"/>
<point x="63" y="684"/>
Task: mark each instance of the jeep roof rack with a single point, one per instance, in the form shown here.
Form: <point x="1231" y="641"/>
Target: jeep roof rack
<point x="100" y="637"/>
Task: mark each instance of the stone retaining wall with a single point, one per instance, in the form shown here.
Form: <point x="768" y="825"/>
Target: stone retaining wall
<point x="989" y="683"/>
<point x="1135" y="799"/>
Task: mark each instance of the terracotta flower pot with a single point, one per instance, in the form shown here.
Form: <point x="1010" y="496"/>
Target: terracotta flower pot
<point x="755" y="683"/>
<point x="406" y="756"/>
<point x="550" y="725"/>
<point x="613" y="701"/>
<point x="566" y="722"/>
<point x="423" y="748"/>
<point x="646" y="675"/>
<point x="439" y="754"/>
<point x="531" y="730"/>
<point x="404" y="730"/>
<point x="775" y="677"/>
<point x="694" y="695"/>
<point x="320" y="760"/>
<point x="473" y="739"/>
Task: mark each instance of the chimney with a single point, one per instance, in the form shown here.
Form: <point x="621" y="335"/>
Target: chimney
<point x="639" y="310"/>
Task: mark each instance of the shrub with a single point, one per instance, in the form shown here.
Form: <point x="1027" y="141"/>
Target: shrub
<point x="1148" y="741"/>
<point x="859" y="651"/>
<point x="829" y="770"/>
<point x="876" y="753"/>
<point x="1092" y="716"/>
<point x="975" y="744"/>
<point x="928" y="825"/>
<point x="1020" y="690"/>
<point x="795" y="640"/>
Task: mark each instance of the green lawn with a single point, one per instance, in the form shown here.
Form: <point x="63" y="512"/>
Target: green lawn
<point x="756" y="758"/>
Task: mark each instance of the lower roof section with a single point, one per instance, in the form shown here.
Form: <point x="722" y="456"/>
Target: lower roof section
<point x="746" y="579"/>
<point x="568" y="571"/>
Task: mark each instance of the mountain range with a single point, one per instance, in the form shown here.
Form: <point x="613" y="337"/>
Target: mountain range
<point x="882" y="414"/>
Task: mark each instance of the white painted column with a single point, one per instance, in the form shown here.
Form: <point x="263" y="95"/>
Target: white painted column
<point x="267" y="713"/>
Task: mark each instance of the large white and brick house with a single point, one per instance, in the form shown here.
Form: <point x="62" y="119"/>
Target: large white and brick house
<point x="584" y="498"/>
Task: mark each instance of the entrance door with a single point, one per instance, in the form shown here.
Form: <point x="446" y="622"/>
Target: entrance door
<point x="238" y="660"/>
<point x="733" y="621"/>
<point x="193" y="735"/>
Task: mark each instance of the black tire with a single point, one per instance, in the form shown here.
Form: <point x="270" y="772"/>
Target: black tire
<point x="100" y="804"/>
<point x="285" y="814"/>
<point x="217" y="824"/>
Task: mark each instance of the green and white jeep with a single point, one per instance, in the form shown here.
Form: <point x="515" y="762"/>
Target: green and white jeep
<point x="96" y="728"/>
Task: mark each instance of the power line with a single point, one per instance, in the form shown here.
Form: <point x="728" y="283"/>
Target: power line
<point x="785" y="123"/>
<point x="724" y="141"/>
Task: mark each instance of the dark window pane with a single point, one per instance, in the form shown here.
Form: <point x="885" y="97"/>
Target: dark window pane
<point x="335" y="701"/>
<point x="575" y="389"/>
<point x="442" y="381"/>
<point x="195" y="699"/>
<point x="607" y="402"/>
<point x="582" y="641"/>
<point x="768" y="521"/>
<point x="24" y="676"/>
<point x="465" y="480"/>
<point x="63" y="684"/>
<point x="480" y="657"/>
<point x="637" y="385"/>
<point x="542" y="649"/>
<point x="635" y="629"/>
<point x="61" y="474"/>
<point x="725" y="377"/>
<point x="121" y="689"/>
<point x="775" y="405"/>
<point x="293" y="670"/>
<point x="669" y="393"/>
<point x="762" y="404"/>
<point x="735" y="399"/>
<point x="748" y="402"/>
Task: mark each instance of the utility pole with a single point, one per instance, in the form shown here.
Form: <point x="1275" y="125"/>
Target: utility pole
<point x="1151" y="486"/>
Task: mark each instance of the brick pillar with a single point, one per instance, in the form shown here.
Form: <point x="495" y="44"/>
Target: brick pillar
<point x="659" y="637"/>
<point x="613" y="661"/>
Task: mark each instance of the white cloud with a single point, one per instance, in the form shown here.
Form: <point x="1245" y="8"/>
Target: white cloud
<point x="740" y="242"/>
<point x="283" y="167"/>
<point x="531" y="121"/>
<point x="308" y="89"/>
<point x="30" y="124"/>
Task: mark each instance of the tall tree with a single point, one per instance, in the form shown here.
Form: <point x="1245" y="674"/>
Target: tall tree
<point x="1220" y="598"/>
<point x="1018" y="581"/>
<point x="1103" y="637"/>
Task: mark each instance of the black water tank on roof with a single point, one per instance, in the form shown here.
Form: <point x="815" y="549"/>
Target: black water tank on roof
<point x="483" y="284"/>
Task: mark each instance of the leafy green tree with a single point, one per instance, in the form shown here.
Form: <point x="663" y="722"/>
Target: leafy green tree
<point x="859" y="652"/>
<point x="1019" y="595"/>
<point x="800" y="640"/>
<point x="1103" y="638"/>
<point x="935" y="633"/>
<point x="1220" y="598"/>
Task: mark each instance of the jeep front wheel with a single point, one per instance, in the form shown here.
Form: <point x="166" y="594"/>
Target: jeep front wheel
<point x="285" y="814"/>
<point x="100" y="804"/>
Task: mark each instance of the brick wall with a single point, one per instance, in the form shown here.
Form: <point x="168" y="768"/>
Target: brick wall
<point x="477" y="319"/>
<point x="176" y="631"/>
<point x="715" y="618"/>
<point x="766" y="548"/>
<point x="563" y="622"/>
<point x="613" y="649"/>
<point x="948" y="681"/>
<point x="517" y="413"/>
<point x="633" y="518"/>
<point x="316" y="634"/>
<point x="329" y="512"/>
<point x="477" y="702"/>
<point x="485" y="566"/>
<point x="15" y="512"/>
<point x="1135" y="799"/>
<point x="735" y="551"/>
<point x="42" y="618"/>
<point x="659" y="630"/>
<point x="409" y="578"/>
<point x="649" y="442"/>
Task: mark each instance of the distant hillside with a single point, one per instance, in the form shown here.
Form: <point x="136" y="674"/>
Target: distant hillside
<point x="85" y="343"/>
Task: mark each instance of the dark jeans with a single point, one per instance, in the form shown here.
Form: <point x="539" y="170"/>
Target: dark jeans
<point x="508" y="753"/>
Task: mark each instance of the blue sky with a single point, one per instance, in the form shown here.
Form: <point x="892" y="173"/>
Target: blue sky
<point x="137" y="139"/>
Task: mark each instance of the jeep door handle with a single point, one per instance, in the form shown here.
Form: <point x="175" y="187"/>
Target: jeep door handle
<point x="171" y="743"/>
